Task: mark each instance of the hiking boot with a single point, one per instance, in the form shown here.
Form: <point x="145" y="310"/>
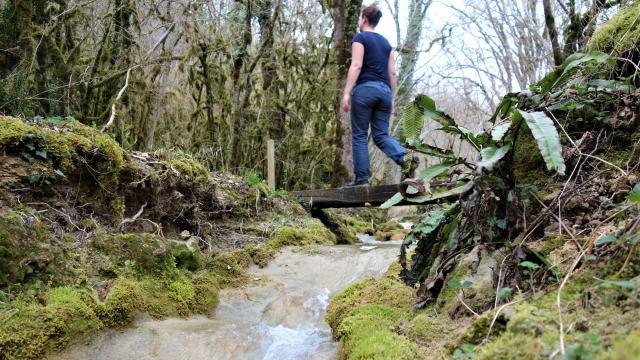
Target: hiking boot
<point x="411" y="162"/>
<point x="356" y="183"/>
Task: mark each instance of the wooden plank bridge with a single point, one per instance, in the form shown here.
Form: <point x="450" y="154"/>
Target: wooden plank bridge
<point x="365" y="196"/>
<point x="350" y="197"/>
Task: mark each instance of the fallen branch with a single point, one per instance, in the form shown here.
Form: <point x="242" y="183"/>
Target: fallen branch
<point x="134" y="217"/>
<point x="113" y="106"/>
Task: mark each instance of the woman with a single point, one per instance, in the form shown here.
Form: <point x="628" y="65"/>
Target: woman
<point x="371" y="103"/>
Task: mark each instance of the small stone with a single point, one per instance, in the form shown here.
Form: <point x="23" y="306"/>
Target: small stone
<point x="185" y="234"/>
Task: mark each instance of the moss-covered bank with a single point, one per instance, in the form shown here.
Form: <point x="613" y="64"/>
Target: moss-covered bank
<point x="92" y="235"/>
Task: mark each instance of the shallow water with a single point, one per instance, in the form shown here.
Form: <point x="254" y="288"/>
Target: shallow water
<point x="280" y="317"/>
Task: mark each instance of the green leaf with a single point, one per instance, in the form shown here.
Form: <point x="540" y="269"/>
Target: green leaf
<point x="564" y="72"/>
<point x="504" y="293"/>
<point x="430" y="150"/>
<point x="622" y="283"/>
<point x="42" y="153"/>
<point x="430" y="110"/>
<point x="412" y="122"/>
<point x="432" y="220"/>
<point x="395" y="199"/>
<point x="456" y="284"/>
<point x="635" y="195"/>
<point x="33" y="179"/>
<point x="491" y="155"/>
<point x="606" y="239"/>
<point x="500" y="131"/>
<point x="529" y="265"/>
<point x="547" y="138"/>
<point x="435" y="170"/>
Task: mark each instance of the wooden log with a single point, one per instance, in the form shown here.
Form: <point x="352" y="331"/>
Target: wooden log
<point x="363" y="196"/>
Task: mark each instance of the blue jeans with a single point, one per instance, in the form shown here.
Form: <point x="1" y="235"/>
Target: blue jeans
<point x="371" y="105"/>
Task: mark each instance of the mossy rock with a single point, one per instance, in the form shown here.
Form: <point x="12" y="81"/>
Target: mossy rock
<point x="383" y="291"/>
<point x="29" y="252"/>
<point x="230" y="265"/>
<point x="367" y="333"/>
<point x="33" y="330"/>
<point x="314" y="233"/>
<point x="425" y="328"/>
<point x="187" y="258"/>
<point x="188" y="168"/>
<point x="260" y="254"/>
<point x="367" y="318"/>
<point x="64" y="147"/>
<point x="620" y="35"/>
<point x="379" y="344"/>
<point x="145" y="253"/>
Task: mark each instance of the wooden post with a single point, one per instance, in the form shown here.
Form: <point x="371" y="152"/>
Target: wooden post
<point x="271" y="165"/>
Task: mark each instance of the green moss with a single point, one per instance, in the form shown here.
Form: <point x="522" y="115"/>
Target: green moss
<point x="206" y="299"/>
<point x="425" y="328"/>
<point x="33" y="330"/>
<point x="186" y="258"/>
<point x="189" y="168"/>
<point x="358" y="226"/>
<point x="67" y="146"/>
<point x="379" y="344"/>
<point x="625" y="346"/>
<point x="230" y="265"/>
<point x="366" y="318"/>
<point x="619" y="35"/>
<point x="260" y="254"/>
<point x="314" y="233"/>
<point x="145" y="253"/>
<point x="122" y="303"/>
<point x="28" y="252"/>
<point x="184" y="293"/>
<point x="528" y="165"/>
<point x="385" y="291"/>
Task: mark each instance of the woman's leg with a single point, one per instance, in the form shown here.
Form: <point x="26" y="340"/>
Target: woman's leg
<point x="380" y="126"/>
<point x="361" y="111"/>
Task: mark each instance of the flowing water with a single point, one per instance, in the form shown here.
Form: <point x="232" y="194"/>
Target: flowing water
<point x="280" y="317"/>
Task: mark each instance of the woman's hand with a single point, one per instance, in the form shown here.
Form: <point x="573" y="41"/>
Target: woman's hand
<point x="346" y="103"/>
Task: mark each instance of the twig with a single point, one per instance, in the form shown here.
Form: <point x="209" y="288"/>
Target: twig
<point x="467" y="306"/>
<point x="113" y="106"/>
<point x="497" y="313"/>
<point x="134" y="217"/>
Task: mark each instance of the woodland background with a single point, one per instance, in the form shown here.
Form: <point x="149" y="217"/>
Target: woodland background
<point x="214" y="80"/>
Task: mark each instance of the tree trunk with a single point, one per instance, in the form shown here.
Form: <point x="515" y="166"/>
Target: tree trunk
<point x="345" y="19"/>
<point x="550" y="22"/>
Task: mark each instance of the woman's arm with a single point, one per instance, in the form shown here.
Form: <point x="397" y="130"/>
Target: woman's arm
<point x="394" y="81"/>
<point x="357" y="53"/>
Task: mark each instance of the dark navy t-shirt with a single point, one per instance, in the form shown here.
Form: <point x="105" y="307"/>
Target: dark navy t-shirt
<point x="375" y="63"/>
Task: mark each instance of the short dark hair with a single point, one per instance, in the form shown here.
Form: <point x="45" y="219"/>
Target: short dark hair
<point x="373" y="14"/>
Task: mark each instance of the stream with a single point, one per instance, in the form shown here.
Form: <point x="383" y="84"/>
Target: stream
<point x="280" y="316"/>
